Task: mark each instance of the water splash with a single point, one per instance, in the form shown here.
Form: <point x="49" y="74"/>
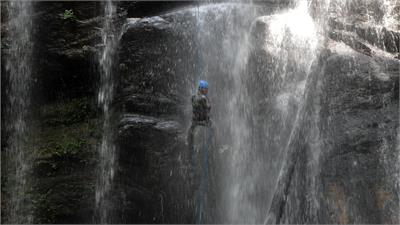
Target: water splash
<point x="391" y="18"/>
<point x="296" y="25"/>
<point x="372" y="12"/>
<point x="222" y="50"/>
<point x="107" y="155"/>
<point x="293" y="41"/>
<point x="229" y="61"/>
<point x="18" y="67"/>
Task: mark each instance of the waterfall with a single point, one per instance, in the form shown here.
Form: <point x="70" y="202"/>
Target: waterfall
<point x="293" y="43"/>
<point x="223" y="49"/>
<point x="258" y="68"/>
<point x="107" y="154"/>
<point x="242" y="86"/>
<point x="18" y="71"/>
<point x="391" y="18"/>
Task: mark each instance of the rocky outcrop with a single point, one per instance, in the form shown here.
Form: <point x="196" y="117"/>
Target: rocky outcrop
<point x="151" y="133"/>
<point x="150" y="161"/>
<point x="65" y="50"/>
<point x="364" y="37"/>
<point x="359" y="116"/>
<point x="357" y="125"/>
<point x="67" y="124"/>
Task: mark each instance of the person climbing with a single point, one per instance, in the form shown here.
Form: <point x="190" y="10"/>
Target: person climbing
<point x="201" y="110"/>
<point x="200" y="143"/>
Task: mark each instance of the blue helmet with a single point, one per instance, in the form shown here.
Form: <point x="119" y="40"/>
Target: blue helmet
<point x="203" y="84"/>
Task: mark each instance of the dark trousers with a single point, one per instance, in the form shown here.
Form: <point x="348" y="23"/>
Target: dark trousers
<point x="191" y="130"/>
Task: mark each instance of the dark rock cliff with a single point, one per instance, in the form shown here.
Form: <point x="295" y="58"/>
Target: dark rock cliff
<point x="66" y="122"/>
<point x="359" y="121"/>
<point x="353" y="91"/>
<point x="151" y="135"/>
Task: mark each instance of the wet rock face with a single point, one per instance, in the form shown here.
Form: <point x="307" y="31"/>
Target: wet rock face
<point x="68" y="125"/>
<point x="150" y="176"/>
<point x="152" y="59"/>
<point x="340" y="166"/>
<point x="151" y="135"/>
<point x="154" y="8"/>
<point x="65" y="49"/>
<point x="359" y="121"/>
<point x="363" y="38"/>
<point x="62" y="116"/>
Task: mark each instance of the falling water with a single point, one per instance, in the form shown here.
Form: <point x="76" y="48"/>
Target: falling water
<point x="261" y="66"/>
<point x="391" y="18"/>
<point x="293" y="44"/>
<point x="107" y="149"/>
<point x="223" y="42"/>
<point x="18" y="69"/>
<point x="242" y="86"/>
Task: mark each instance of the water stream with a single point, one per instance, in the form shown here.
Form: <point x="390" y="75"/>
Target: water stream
<point x="224" y="45"/>
<point x="259" y="71"/>
<point x="18" y="68"/>
<point x="254" y="141"/>
<point x="107" y="154"/>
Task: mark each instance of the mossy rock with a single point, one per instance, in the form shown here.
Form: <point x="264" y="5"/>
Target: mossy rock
<point x="68" y="112"/>
<point x="65" y="165"/>
<point x="64" y="149"/>
<point x="64" y="199"/>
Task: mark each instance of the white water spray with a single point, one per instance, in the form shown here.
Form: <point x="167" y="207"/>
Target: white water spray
<point x="18" y="67"/>
<point x="107" y="155"/>
<point x="293" y="42"/>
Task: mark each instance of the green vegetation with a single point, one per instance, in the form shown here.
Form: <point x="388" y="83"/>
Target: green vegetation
<point x="75" y="142"/>
<point x="67" y="113"/>
<point x="69" y="15"/>
<point x="64" y="143"/>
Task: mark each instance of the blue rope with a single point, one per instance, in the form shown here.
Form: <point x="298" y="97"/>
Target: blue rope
<point x="204" y="178"/>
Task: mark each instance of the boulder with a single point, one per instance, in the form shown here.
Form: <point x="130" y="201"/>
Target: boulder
<point x="151" y="155"/>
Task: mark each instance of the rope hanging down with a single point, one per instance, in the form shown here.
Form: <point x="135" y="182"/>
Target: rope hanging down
<point x="203" y="192"/>
<point x="198" y="47"/>
<point x="203" y="189"/>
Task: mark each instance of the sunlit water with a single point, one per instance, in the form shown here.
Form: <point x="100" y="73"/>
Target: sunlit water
<point x="293" y="42"/>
